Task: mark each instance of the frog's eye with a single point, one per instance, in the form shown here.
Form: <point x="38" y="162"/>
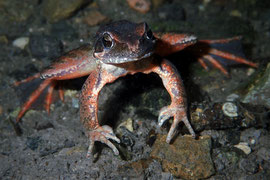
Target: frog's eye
<point x="107" y="40"/>
<point x="149" y="34"/>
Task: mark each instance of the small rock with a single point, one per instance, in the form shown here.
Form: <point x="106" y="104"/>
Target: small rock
<point x="75" y="103"/>
<point x="142" y="6"/>
<point x="236" y="13"/>
<point x="33" y="142"/>
<point x="3" y="39"/>
<point x="244" y="147"/>
<point x="230" y="109"/>
<point x="21" y="42"/>
<point x="127" y="124"/>
<point x="94" y="18"/>
<point x="185" y="157"/>
<point x="232" y="97"/>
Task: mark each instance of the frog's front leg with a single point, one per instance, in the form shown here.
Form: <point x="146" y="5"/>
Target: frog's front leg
<point x="178" y="107"/>
<point x="89" y="108"/>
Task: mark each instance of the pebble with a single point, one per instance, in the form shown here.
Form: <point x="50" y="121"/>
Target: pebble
<point x="244" y="147"/>
<point x="127" y="124"/>
<point x="230" y="109"/>
<point x="21" y="42"/>
<point x="3" y="39"/>
<point x="232" y="97"/>
<point x="142" y="6"/>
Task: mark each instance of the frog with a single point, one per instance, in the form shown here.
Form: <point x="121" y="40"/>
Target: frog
<point x="121" y="48"/>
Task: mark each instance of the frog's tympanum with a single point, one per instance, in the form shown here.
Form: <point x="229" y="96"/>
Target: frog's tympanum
<point x="123" y="48"/>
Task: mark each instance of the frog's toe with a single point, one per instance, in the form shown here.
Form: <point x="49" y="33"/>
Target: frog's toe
<point x="102" y="134"/>
<point x="164" y="115"/>
<point x="179" y="114"/>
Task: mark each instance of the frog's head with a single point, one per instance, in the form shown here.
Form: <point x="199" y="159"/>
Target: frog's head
<point x="124" y="41"/>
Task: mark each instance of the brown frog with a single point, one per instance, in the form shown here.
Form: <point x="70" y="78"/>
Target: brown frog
<point x="122" y="48"/>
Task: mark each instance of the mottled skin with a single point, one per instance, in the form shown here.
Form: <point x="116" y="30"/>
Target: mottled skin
<point x="122" y="48"/>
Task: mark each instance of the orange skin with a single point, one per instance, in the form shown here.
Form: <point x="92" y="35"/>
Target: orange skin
<point x="123" y="48"/>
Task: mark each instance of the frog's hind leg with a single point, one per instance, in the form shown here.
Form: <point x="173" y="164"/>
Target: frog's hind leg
<point x="232" y="57"/>
<point x="214" y="62"/>
<point x="214" y="52"/>
<point x="48" y="83"/>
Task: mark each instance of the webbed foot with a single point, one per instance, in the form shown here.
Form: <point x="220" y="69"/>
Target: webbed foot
<point x="179" y="114"/>
<point x="103" y="134"/>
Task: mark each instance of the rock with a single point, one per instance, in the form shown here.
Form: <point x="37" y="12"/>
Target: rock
<point x="21" y="42"/>
<point x="236" y="13"/>
<point x="258" y="92"/>
<point x="3" y="39"/>
<point x="94" y="18"/>
<point x="142" y="6"/>
<point x="205" y="116"/>
<point x="33" y="142"/>
<point x="230" y="109"/>
<point x="185" y="157"/>
<point x="55" y="10"/>
<point x="128" y="124"/>
<point x="244" y="147"/>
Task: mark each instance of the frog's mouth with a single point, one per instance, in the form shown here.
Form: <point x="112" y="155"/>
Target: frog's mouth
<point x="121" y="60"/>
<point x="114" y="57"/>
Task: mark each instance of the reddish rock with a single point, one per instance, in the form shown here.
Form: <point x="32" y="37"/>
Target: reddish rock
<point x="186" y="157"/>
<point x="142" y="6"/>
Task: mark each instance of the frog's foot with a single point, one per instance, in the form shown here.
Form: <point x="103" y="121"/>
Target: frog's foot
<point x="48" y="84"/>
<point x="102" y="134"/>
<point x="179" y="114"/>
